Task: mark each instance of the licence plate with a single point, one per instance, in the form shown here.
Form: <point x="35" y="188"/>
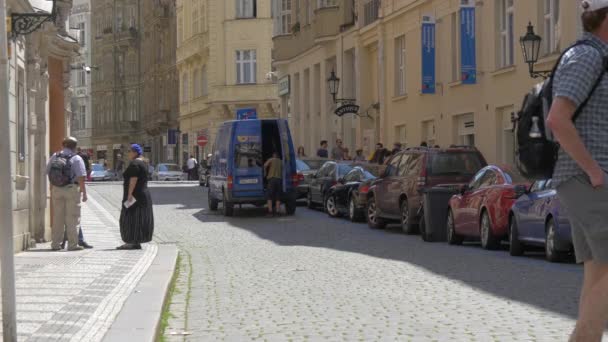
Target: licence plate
<point x="248" y="181"/>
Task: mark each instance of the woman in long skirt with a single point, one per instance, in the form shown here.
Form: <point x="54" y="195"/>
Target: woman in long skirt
<point x="136" y="217"/>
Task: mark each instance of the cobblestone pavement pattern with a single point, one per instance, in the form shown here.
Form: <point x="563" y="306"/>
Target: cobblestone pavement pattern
<point x="75" y="296"/>
<point x="312" y="278"/>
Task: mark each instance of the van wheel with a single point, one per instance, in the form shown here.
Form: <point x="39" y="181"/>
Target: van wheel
<point x="290" y="207"/>
<point x="213" y="203"/>
<point x="228" y="207"/>
<point x="406" y="219"/>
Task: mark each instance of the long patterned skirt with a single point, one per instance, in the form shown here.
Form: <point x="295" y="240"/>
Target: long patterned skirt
<point x="137" y="222"/>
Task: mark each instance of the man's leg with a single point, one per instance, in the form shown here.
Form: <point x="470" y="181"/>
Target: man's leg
<point x="278" y="206"/>
<point x="58" y="226"/>
<point x="73" y="217"/>
<point x="593" y="308"/>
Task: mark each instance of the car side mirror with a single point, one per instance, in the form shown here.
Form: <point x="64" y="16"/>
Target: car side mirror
<point x="464" y="189"/>
<point x="520" y="190"/>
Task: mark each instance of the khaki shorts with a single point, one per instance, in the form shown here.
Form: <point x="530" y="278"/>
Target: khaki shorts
<point x="588" y="214"/>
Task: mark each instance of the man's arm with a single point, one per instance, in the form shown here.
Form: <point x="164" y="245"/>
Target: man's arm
<point x="561" y="124"/>
<point x="83" y="189"/>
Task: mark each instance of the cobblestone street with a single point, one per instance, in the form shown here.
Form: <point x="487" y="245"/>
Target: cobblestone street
<point x="311" y="278"/>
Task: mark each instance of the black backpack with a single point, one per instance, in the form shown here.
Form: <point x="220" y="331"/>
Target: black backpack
<point x="535" y="148"/>
<point x="60" y="170"/>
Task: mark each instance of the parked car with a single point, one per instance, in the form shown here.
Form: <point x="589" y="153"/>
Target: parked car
<point x="307" y="167"/>
<point x="348" y="196"/>
<point x="482" y="208"/>
<point x="167" y="172"/>
<point x="241" y="148"/>
<point x="396" y="195"/>
<point x="329" y="175"/>
<point x="99" y="173"/>
<point x="538" y="219"/>
<point x="113" y="175"/>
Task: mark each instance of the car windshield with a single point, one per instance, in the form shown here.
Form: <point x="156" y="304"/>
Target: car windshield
<point x="97" y="167"/>
<point x="455" y="163"/>
<point x="302" y="166"/>
<point x="314" y="164"/>
<point x="168" y="168"/>
<point x="343" y="170"/>
<point x="248" y="155"/>
<point x="371" y="172"/>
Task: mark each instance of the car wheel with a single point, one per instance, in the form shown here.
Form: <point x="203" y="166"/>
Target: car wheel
<point x="488" y="239"/>
<point x="213" y="203"/>
<point x="309" y="202"/>
<point x="453" y="237"/>
<point x="551" y="253"/>
<point x="353" y="213"/>
<point x="330" y="206"/>
<point x="228" y="207"/>
<point x="373" y="220"/>
<point x="406" y="219"/>
<point x="516" y="247"/>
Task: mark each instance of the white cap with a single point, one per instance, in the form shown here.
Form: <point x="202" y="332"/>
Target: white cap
<point x="593" y="5"/>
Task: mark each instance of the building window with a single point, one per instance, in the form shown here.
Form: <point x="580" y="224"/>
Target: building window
<point x="204" y="86"/>
<point x="195" y="20"/>
<point x="246" y="66"/>
<point x="81" y="34"/>
<point x="465" y="129"/>
<point x="21" y="109"/>
<point x="506" y="37"/>
<point x="326" y="3"/>
<point x="196" y="84"/>
<point x="185" y="97"/>
<point x="401" y="134"/>
<point x="246" y="8"/>
<point x="428" y="132"/>
<point x="119" y="19"/>
<point x="370" y="11"/>
<point x="551" y="26"/>
<point x="180" y="29"/>
<point x="309" y="12"/>
<point x="455" y="33"/>
<point x="505" y="136"/>
<point x="81" y="76"/>
<point x="131" y="16"/>
<point x="285" y="15"/>
<point x="400" y="66"/>
<point x="82" y="117"/>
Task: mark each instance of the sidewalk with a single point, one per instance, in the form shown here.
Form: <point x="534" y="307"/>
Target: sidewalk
<point x="78" y="296"/>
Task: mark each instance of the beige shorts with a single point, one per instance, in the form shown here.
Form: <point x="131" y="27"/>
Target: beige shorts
<point x="588" y="214"/>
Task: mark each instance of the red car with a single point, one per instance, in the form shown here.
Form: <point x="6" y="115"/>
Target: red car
<point x="482" y="209"/>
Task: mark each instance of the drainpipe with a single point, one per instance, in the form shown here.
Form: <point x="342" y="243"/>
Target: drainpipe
<point x="7" y="265"/>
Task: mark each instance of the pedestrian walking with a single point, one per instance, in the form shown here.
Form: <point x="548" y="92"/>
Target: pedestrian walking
<point x="119" y="165"/>
<point x="66" y="172"/>
<point x="378" y="156"/>
<point x="192" y="165"/>
<point x="580" y="172"/>
<point x="322" y="151"/>
<point x="273" y="169"/>
<point x="359" y="156"/>
<point x="136" y="217"/>
<point x="301" y="153"/>
<point x="337" y="153"/>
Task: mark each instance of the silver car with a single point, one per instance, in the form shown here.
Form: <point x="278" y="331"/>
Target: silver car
<point x="98" y="173"/>
<point x="167" y="172"/>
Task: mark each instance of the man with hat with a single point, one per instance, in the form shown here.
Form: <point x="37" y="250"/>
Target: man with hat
<point x="67" y="173"/>
<point x="579" y="84"/>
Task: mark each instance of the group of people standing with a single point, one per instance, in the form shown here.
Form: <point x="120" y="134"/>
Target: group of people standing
<point x="67" y="171"/>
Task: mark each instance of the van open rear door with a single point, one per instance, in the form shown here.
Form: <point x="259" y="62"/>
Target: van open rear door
<point x="288" y="156"/>
<point x="248" y="163"/>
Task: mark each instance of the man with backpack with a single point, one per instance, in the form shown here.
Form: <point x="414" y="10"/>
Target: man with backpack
<point x="578" y="120"/>
<point x="67" y="173"/>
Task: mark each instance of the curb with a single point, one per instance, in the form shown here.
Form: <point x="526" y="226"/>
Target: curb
<point x="139" y="318"/>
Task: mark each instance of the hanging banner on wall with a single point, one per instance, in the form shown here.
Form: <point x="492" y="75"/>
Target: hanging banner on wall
<point x="468" y="63"/>
<point x="428" y="55"/>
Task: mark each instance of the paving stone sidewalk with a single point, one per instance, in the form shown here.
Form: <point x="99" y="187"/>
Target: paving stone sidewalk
<point x="76" y="296"/>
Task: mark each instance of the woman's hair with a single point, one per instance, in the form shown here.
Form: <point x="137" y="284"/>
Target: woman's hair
<point x="593" y="19"/>
<point x="137" y="149"/>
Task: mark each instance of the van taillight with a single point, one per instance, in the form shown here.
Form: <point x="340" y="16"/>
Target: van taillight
<point x="363" y="189"/>
<point x="296" y="178"/>
<point x="229" y="182"/>
<point x="421" y="182"/>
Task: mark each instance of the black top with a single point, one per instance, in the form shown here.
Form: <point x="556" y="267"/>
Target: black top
<point x="85" y="159"/>
<point x="322" y="153"/>
<point x="137" y="168"/>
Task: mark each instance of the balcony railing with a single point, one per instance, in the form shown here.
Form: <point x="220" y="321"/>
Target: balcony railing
<point x="370" y="11"/>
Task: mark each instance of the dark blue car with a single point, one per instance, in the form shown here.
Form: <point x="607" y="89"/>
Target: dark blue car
<point x="538" y="219"/>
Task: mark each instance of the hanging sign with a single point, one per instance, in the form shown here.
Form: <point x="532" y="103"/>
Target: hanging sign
<point x="347" y="109"/>
<point x="468" y="63"/>
<point x="428" y="55"/>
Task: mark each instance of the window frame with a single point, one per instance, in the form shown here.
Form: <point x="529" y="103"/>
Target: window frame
<point x="185" y="93"/>
<point x="551" y="24"/>
<point x="455" y="58"/>
<point x="241" y="65"/>
<point x="400" y="66"/>
<point x="21" y="115"/>
<point x="506" y="34"/>
<point x="246" y="9"/>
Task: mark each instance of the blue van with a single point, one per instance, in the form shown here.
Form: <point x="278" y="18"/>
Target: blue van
<point x="237" y="166"/>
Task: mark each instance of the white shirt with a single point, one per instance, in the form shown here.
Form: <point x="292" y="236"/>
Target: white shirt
<point x="191" y="163"/>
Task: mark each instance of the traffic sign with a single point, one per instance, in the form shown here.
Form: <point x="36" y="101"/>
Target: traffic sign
<point x="202" y="140"/>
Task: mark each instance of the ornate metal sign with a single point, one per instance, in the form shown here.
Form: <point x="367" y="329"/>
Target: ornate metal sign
<point x="26" y="23"/>
<point x="347" y="109"/>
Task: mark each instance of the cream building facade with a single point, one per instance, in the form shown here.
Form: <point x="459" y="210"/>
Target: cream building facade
<point x="378" y="55"/>
<point x="224" y="64"/>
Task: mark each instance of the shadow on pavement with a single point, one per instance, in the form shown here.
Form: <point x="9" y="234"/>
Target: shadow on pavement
<point x="530" y="279"/>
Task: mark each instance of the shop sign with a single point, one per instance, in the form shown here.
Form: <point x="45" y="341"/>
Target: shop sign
<point x="117" y="147"/>
<point x="347" y="109"/>
<point x="102" y="148"/>
<point x="284" y="86"/>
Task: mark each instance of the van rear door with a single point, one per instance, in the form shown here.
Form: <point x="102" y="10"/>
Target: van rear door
<point x="248" y="165"/>
<point x="288" y="157"/>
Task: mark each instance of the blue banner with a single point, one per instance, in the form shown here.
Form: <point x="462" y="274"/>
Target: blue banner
<point x="468" y="64"/>
<point x="246" y="114"/>
<point x="172" y="136"/>
<point x="428" y="55"/>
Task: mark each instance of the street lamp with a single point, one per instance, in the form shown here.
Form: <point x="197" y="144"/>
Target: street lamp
<point x="333" y="83"/>
<point x="26" y="23"/>
<point x="530" y="47"/>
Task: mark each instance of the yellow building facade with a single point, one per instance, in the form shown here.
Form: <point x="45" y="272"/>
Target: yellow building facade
<point x="224" y="64"/>
<point x="377" y="53"/>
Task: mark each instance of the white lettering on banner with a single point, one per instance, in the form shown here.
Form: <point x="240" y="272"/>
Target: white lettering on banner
<point x="284" y="86"/>
<point x="116" y="146"/>
<point x="102" y="148"/>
